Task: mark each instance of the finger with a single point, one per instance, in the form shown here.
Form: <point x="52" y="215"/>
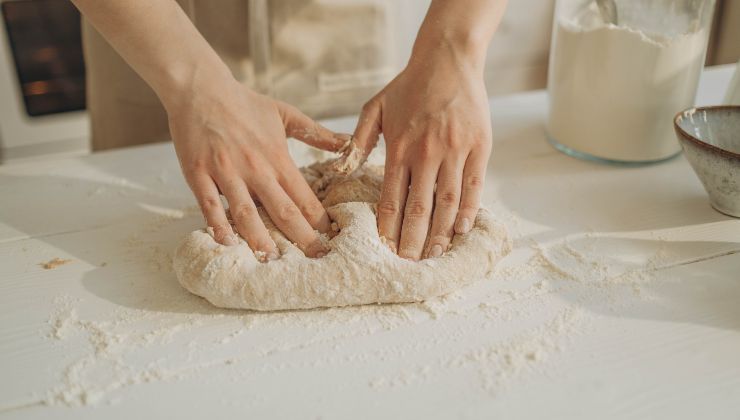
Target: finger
<point x="209" y="201"/>
<point x="472" y="188"/>
<point x="368" y="127"/>
<point x="244" y="214"/>
<point x="391" y="204"/>
<point x="302" y="127"/>
<point x="363" y="141"/>
<point x="447" y="201"/>
<point x="288" y="218"/>
<point x="418" y="211"/>
<point x="298" y="190"/>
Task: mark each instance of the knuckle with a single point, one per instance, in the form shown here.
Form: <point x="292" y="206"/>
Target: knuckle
<point x="426" y="150"/>
<point x="285" y="109"/>
<point x="416" y="208"/>
<point x="388" y="207"/>
<point x="222" y="158"/>
<point x="447" y="199"/>
<point x="369" y="106"/>
<point x="253" y="162"/>
<point x="474" y="181"/>
<point x="456" y="143"/>
<point x="244" y="212"/>
<point x="313" y="209"/>
<point x="219" y="228"/>
<point x="195" y="166"/>
<point x="233" y="131"/>
<point x="210" y="203"/>
<point x="287" y="212"/>
<point x="486" y="143"/>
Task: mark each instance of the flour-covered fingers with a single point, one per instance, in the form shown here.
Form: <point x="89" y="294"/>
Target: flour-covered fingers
<point x="446" y="203"/>
<point x="288" y="218"/>
<point x="246" y="218"/>
<point x="472" y="188"/>
<point x="297" y="188"/>
<point x="364" y="139"/>
<point x="391" y="203"/>
<point x="205" y="191"/>
<point x="418" y="210"/>
<point x="302" y="127"/>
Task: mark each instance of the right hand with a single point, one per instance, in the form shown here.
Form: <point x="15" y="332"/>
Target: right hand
<point x="436" y="122"/>
<point x="231" y="140"/>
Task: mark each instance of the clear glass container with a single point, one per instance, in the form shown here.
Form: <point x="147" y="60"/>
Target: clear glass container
<point x="615" y="84"/>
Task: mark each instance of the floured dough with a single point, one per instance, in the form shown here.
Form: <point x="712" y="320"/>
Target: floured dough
<point x="359" y="269"/>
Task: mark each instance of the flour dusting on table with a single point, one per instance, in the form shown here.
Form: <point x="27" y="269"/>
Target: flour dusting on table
<point x="523" y="295"/>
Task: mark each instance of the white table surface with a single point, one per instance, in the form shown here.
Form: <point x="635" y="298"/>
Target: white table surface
<point x="620" y="300"/>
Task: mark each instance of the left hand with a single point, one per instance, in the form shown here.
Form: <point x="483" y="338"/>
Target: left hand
<point x="435" y="119"/>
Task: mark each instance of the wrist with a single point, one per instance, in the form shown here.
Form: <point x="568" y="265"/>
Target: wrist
<point x="466" y="47"/>
<point x="182" y="82"/>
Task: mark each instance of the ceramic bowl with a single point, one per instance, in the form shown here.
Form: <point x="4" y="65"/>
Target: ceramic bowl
<point x="710" y="137"/>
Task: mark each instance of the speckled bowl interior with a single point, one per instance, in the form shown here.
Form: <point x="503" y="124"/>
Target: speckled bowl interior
<point x="710" y="138"/>
<point x="715" y="126"/>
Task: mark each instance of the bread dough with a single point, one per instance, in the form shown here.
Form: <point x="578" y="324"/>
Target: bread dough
<point x="359" y="269"/>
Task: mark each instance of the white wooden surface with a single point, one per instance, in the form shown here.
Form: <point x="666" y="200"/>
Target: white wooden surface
<point x="621" y="300"/>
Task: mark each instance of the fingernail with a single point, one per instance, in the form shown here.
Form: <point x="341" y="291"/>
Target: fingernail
<point x="230" y="240"/>
<point x="436" y="251"/>
<point x="463" y="225"/>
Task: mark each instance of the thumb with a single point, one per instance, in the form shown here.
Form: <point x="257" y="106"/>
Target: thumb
<point x="363" y="141"/>
<point x="301" y="127"/>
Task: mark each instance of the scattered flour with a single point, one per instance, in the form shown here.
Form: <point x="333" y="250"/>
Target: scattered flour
<point x="526" y="292"/>
<point x="500" y="333"/>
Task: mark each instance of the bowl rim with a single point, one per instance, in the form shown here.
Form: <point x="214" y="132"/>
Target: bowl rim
<point x="701" y="143"/>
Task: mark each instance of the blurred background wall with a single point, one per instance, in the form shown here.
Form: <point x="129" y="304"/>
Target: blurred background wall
<point x="517" y="57"/>
<point x="325" y="56"/>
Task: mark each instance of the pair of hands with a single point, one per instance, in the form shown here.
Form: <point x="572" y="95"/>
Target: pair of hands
<point x="435" y="121"/>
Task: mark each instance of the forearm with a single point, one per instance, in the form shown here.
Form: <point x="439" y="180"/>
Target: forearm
<point x="158" y="41"/>
<point x="464" y="28"/>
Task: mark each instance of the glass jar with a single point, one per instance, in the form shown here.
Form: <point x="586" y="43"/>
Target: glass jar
<point x="615" y="86"/>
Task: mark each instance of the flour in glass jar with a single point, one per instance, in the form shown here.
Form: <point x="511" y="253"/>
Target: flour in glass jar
<point x="614" y="89"/>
